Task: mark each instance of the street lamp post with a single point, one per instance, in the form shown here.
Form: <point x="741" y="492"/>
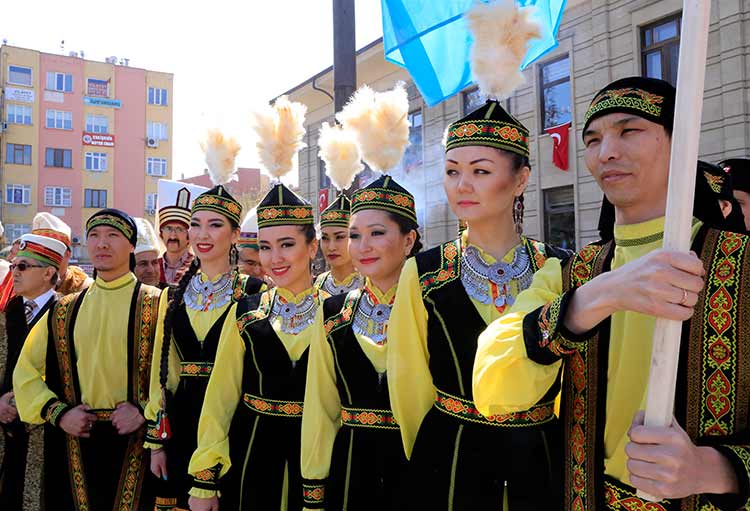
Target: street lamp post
<point x="344" y="52"/>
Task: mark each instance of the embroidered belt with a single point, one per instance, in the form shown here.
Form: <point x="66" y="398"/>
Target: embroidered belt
<point x="102" y="414"/>
<point x="465" y="410"/>
<point x="621" y="497"/>
<point x="273" y="407"/>
<point x="199" y="369"/>
<point x="367" y="418"/>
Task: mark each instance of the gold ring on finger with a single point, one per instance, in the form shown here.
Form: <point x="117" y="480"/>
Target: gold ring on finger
<point x="684" y="297"/>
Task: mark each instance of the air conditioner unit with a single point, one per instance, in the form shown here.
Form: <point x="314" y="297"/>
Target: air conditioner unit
<point x="152" y="142"/>
<point x="3" y="127"/>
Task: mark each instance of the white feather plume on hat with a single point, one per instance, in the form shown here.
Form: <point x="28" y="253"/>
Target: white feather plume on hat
<point x="280" y="129"/>
<point x="341" y="154"/>
<point x="502" y="31"/>
<point x="220" y="152"/>
<point x="380" y="121"/>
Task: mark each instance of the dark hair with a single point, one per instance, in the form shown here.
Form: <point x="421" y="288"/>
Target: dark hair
<point x="517" y="161"/>
<point x="176" y="294"/>
<point x="405" y="226"/>
<point x="55" y="277"/>
<point x="309" y="231"/>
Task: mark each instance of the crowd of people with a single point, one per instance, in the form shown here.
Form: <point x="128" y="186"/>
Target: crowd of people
<point x="493" y="371"/>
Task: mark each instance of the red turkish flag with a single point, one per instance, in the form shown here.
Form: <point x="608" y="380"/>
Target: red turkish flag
<point x="322" y="199"/>
<point x="559" y="136"/>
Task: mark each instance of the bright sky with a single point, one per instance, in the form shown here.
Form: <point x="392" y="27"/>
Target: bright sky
<point x="226" y="56"/>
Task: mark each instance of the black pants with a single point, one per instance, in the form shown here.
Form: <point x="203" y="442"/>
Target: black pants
<point x="13" y="468"/>
<point x="101" y="474"/>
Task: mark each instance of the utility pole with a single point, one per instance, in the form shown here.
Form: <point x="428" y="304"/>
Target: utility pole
<point x="344" y="53"/>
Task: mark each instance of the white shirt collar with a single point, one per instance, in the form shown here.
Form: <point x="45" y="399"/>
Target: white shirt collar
<point x="41" y="300"/>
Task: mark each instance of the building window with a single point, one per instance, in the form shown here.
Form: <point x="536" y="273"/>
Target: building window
<point x="57" y="196"/>
<point x="94" y="198"/>
<point x="18" y="154"/>
<point x="151" y="201"/>
<point x="555" y="89"/>
<point x="96" y="162"/>
<point x="473" y="99"/>
<point x="15" y="231"/>
<point x="18" y="114"/>
<point x="97" y="123"/>
<point x="413" y="156"/>
<point x="97" y="88"/>
<point x="660" y="43"/>
<point x="156" y="166"/>
<point x="61" y="82"/>
<point x="157" y="130"/>
<point x="58" y="158"/>
<point x="18" y="194"/>
<point x="59" y="120"/>
<point x="324" y="182"/>
<point x="559" y="217"/>
<point x="19" y="75"/>
<point x="157" y="96"/>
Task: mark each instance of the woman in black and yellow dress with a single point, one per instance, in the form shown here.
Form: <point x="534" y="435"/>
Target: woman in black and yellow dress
<point x="334" y="243"/>
<point x="249" y="430"/>
<point x="191" y="317"/>
<point x="446" y="297"/>
<point x="352" y="456"/>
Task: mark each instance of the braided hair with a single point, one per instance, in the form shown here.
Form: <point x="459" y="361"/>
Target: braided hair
<point x="176" y="294"/>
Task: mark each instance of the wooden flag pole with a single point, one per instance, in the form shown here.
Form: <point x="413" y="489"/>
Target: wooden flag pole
<point x="677" y="228"/>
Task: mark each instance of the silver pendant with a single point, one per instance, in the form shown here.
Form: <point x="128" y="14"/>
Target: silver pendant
<point x="295" y="317"/>
<point x="477" y="275"/>
<point x="371" y="319"/>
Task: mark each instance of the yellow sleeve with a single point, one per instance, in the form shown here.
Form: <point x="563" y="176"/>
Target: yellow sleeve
<point x="222" y="396"/>
<point x="31" y="392"/>
<point x="321" y="419"/>
<point x="173" y="377"/>
<point x="409" y="380"/>
<point x="505" y="380"/>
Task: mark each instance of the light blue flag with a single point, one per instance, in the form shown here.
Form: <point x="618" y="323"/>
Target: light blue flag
<point x="431" y="40"/>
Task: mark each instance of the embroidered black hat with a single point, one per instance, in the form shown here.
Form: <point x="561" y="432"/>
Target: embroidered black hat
<point x="717" y="179"/>
<point x="281" y="206"/>
<point x="219" y="200"/>
<point x="649" y="98"/>
<point x="739" y="169"/>
<point x="117" y="219"/>
<point x="491" y="126"/>
<point x="387" y="195"/>
<point x="337" y="213"/>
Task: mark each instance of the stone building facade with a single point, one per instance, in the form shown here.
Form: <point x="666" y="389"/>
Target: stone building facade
<point x="599" y="41"/>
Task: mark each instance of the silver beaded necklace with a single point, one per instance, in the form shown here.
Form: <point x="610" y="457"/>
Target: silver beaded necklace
<point x="330" y="287"/>
<point x="476" y="273"/>
<point x="295" y="317"/>
<point x="206" y="296"/>
<point x="371" y="319"/>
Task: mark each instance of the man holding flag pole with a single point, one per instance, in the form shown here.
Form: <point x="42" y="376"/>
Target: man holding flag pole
<point x="597" y="315"/>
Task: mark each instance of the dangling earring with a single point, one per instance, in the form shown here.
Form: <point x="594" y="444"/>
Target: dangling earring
<point x="234" y="255"/>
<point x="518" y="214"/>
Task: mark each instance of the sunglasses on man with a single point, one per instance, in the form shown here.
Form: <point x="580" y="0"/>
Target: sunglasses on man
<point x="23" y="266"/>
